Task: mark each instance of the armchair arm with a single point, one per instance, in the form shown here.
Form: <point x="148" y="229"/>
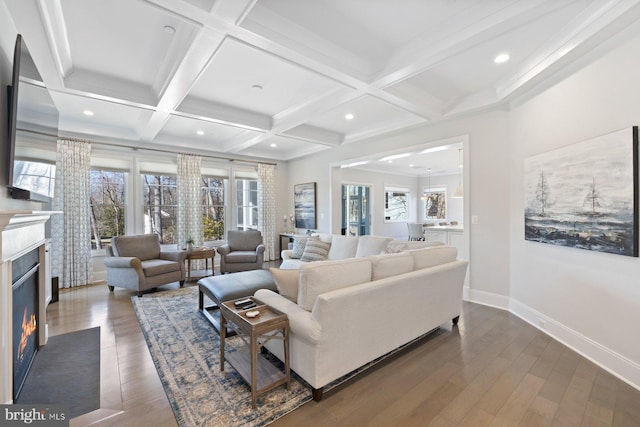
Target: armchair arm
<point x="177" y="256"/>
<point x="223" y="250"/>
<point x="260" y="249"/>
<point x="123" y="262"/>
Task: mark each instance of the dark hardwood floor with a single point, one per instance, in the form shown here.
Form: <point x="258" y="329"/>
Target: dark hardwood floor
<point x="492" y="370"/>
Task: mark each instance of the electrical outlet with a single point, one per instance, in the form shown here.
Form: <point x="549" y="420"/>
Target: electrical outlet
<point x="474" y="219"/>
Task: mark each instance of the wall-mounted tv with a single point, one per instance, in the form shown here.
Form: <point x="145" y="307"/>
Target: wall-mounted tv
<point x="33" y="116"/>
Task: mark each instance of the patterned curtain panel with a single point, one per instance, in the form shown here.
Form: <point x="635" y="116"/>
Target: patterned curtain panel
<point x="71" y="231"/>
<point x="267" y="209"/>
<point x="189" y="187"/>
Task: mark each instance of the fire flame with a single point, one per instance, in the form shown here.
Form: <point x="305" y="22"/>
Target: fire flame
<point x="28" y="327"/>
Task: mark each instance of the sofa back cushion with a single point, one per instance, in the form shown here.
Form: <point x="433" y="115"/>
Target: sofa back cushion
<point x="286" y="282"/>
<point x="388" y="265"/>
<point x="371" y="245"/>
<point x="430" y="257"/>
<point x="144" y="246"/>
<point x="320" y="277"/>
<point x="343" y="247"/>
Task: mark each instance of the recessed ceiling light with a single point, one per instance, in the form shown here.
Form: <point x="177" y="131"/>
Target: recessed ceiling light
<point x="200" y="132"/>
<point x="349" y="116"/>
<point x="412" y="165"/>
<point x="87" y="113"/>
<point x="274" y="145"/>
<point x="169" y="29"/>
<point x="503" y="57"/>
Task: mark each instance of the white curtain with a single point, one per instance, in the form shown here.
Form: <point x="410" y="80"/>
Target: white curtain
<point x="267" y="209"/>
<point x="71" y="231"/>
<point x="189" y="187"/>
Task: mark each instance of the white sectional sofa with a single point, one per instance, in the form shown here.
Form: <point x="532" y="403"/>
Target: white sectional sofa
<point x="343" y="247"/>
<point x="349" y="312"/>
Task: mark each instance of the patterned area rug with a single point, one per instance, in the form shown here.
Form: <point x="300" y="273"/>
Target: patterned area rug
<point x="186" y="351"/>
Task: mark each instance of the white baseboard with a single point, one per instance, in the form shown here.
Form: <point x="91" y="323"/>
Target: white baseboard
<point x="623" y="368"/>
<point x="485" y="298"/>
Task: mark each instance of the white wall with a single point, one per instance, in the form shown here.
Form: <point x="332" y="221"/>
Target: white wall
<point x="587" y="299"/>
<point x="486" y="186"/>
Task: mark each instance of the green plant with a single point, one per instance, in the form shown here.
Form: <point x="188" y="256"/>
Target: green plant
<point x="189" y="241"/>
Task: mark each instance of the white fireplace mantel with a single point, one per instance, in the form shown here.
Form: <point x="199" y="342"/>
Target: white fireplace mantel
<point x="20" y="232"/>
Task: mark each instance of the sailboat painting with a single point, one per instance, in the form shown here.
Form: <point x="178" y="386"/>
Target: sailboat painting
<point x="585" y="195"/>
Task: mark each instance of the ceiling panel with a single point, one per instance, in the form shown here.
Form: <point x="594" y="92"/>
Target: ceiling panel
<point x="285" y="148"/>
<point x="249" y="78"/>
<point x="183" y="132"/>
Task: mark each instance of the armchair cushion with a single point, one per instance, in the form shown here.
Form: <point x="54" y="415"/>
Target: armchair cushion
<point x="143" y="247"/>
<point x="155" y="267"/>
<point x="247" y="240"/>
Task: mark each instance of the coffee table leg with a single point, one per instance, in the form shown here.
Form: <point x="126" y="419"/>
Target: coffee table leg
<point x="286" y="357"/>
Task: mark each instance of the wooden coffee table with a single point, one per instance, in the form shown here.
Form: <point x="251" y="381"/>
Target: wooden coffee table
<point x="256" y="370"/>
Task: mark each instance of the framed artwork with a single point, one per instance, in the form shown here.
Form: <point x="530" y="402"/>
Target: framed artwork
<point x="304" y="203"/>
<point x="585" y="195"/>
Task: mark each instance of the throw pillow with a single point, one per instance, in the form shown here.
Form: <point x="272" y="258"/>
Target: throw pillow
<point x="286" y="282"/>
<point x="371" y="245"/>
<point x="315" y="250"/>
<point x="298" y="247"/>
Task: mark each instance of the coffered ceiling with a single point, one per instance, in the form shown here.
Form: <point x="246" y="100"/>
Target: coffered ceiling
<point x="276" y="78"/>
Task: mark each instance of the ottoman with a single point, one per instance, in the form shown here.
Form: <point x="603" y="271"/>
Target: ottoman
<point x="227" y="287"/>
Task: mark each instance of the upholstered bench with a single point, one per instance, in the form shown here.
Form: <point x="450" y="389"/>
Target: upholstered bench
<point x="227" y="287"/>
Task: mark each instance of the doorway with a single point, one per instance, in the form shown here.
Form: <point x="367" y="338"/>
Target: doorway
<point x="356" y="215"/>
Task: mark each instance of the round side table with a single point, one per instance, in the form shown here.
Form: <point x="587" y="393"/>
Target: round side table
<point x="200" y="253"/>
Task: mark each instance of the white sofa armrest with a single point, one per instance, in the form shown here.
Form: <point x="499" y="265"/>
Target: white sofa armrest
<point x="285" y="254"/>
<point x="300" y="321"/>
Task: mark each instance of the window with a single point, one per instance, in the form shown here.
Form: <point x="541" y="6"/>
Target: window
<point x="356" y="218"/>
<point x="396" y="205"/>
<point x="107" y="207"/>
<point x="435" y="203"/>
<point x="213" y="208"/>
<point x="160" y="207"/>
<point x="38" y="177"/>
<point x="247" y="202"/>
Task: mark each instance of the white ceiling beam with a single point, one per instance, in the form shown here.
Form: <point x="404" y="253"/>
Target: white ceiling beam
<point x="585" y="26"/>
<point x="56" y="28"/>
<point x="423" y="54"/>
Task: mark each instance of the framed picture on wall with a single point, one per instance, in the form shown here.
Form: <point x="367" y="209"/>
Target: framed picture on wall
<point x="304" y="203"/>
<point x="585" y="195"/>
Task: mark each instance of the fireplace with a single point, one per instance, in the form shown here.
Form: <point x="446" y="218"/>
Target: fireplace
<point x="25" y="301"/>
<point x="24" y="274"/>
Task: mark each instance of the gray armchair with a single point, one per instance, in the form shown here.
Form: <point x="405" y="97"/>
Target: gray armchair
<point x="138" y="263"/>
<point x="243" y="251"/>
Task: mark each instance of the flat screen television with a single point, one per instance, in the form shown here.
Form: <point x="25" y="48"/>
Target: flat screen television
<point x="32" y="116"/>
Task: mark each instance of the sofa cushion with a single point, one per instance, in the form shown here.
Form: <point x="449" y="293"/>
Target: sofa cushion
<point x="436" y="255"/>
<point x="371" y="245"/>
<point x="319" y="277"/>
<point x="388" y="265"/>
<point x="298" y="247"/>
<point x="286" y="282"/>
<point x="343" y="247"/>
<point x="397" y="246"/>
<point x="156" y="267"/>
<point x="315" y="250"/>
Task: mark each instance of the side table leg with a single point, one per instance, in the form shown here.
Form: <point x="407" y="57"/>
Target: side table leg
<point x="254" y="369"/>
<point x="287" y="371"/>
<point x="223" y="335"/>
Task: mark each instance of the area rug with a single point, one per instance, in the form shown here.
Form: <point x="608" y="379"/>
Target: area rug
<point x="186" y="351"/>
<point x="66" y="372"/>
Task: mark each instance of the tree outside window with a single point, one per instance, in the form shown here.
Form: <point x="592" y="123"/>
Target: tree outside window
<point x="247" y="203"/>
<point x="107" y="207"/>
<point x="213" y="208"/>
<point x="160" y="207"/>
